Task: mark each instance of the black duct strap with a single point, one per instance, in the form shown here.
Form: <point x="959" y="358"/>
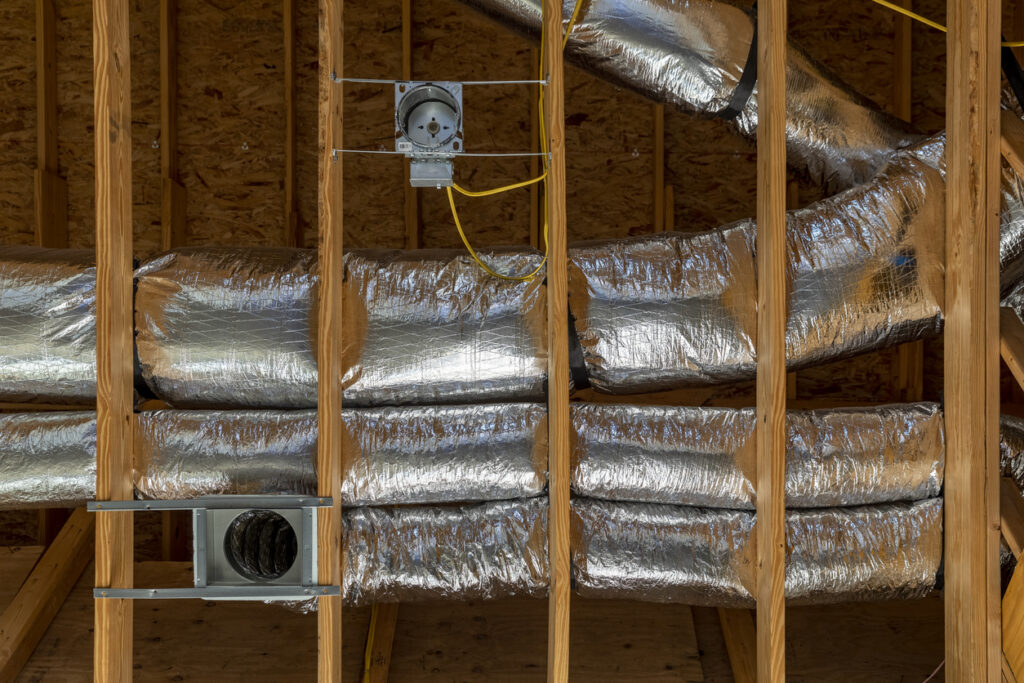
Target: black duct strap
<point x="577" y="362"/>
<point x="747" y="80"/>
<point x="1014" y="76"/>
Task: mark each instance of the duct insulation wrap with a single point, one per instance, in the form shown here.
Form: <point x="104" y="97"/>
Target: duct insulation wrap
<point x="47" y="325"/>
<point x="475" y="552"/>
<point x="226" y="327"/>
<point x="47" y="459"/>
<point x="393" y="455"/>
<point x="693" y="54"/>
<point x="864" y="271"/>
<point x="1011" y="449"/>
<point x="707" y="456"/>
<point x="699" y="556"/>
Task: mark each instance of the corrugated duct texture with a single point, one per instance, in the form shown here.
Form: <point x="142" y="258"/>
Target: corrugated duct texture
<point x="864" y="271"/>
<point x="224" y="327"/>
<point x="394" y="455"/>
<point x="706" y="456"/>
<point x="47" y="325"/>
<point x="47" y="459"/>
<point x="475" y="552"/>
<point x="699" y="556"/>
<point x="692" y="55"/>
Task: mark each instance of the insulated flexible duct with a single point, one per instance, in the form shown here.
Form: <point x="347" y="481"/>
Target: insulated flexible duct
<point x="692" y="54"/>
<point x="47" y="459"/>
<point x="699" y="556"/>
<point x="235" y="327"/>
<point x="476" y="552"/>
<point x="47" y="325"/>
<point x="707" y="456"/>
<point x="393" y="455"/>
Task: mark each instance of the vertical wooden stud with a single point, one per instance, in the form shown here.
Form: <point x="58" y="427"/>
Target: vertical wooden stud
<point x="293" y="236"/>
<point x="173" y="201"/>
<point x="659" y="167"/>
<point x="329" y="393"/>
<point x="558" y="350"/>
<point x="971" y="361"/>
<point x="114" y="390"/>
<point x="771" y="340"/>
<point x="51" y="190"/>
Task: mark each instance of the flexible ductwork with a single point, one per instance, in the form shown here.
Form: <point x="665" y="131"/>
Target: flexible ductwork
<point x="706" y="457"/>
<point x="700" y="556"/>
<point x="477" y="552"/>
<point x="47" y="325"/>
<point x="47" y="459"/>
<point x="235" y="327"/>
<point x="692" y="54"/>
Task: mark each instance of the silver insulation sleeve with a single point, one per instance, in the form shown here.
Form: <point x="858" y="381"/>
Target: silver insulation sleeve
<point x="864" y="271"/>
<point x="47" y="325"/>
<point x="698" y="556"/>
<point x="394" y="455"/>
<point x="702" y="456"/>
<point x="225" y="327"/>
<point x="692" y="54"/>
<point x="47" y="459"/>
<point x="477" y="552"/>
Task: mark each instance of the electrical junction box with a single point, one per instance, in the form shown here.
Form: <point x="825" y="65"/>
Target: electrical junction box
<point x="428" y="129"/>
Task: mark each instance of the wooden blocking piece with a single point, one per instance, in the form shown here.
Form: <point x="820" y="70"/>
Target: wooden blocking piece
<point x="741" y="643"/>
<point x="26" y="619"/>
<point x="971" y="341"/>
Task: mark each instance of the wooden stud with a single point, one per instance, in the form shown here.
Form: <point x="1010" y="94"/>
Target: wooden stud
<point x="114" y="376"/>
<point x="51" y="190"/>
<point x="558" y="350"/>
<point x="173" y="204"/>
<point x="771" y="340"/>
<point x="413" y="228"/>
<point x="659" y="167"/>
<point x="971" y="342"/>
<point x="331" y="236"/>
<point x="26" y="619"/>
<point x="293" y="236"/>
<point x="740" y="642"/>
<point x="380" y="637"/>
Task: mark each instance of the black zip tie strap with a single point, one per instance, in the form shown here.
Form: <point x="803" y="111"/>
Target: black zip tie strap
<point x="748" y="79"/>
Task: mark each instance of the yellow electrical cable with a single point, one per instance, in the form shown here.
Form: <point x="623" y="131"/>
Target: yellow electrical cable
<point x="498" y="190"/>
<point x="488" y="269"/>
<point x="572" y="22"/>
<point x="368" y="655"/>
<point x="934" y="24"/>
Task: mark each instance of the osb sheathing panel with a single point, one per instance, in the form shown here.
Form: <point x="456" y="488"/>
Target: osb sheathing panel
<point x="231" y="121"/>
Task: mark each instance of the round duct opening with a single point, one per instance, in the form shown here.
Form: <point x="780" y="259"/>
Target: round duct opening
<point x="260" y="545"/>
<point x="429" y="116"/>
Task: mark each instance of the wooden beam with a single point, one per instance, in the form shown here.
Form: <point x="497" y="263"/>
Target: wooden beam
<point x="330" y="455"/>
<point x="114" y="376"/>
<point x="51" y="521"/>
<point x="659" y="167"/>
<point x="740" y="642"/>
<point x="51" y="191"/>
<point x="26" y="619"/>
<point x="173" y="199"/>
<point x="1011" y="343"/>
<point x="771" y="340"/>
<point x="1013" y="624"/>
<point x="293" y="236"/>
<point x="379" y="639"/>
<point x="558" y="349"/>
<point x="1011" y="140"/>
<point x="413" y="228"/>
<point x="971" y="341"/>
<point x="1011" y="515"/>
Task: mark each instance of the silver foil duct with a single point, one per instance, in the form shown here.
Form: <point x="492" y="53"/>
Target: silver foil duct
<point x="864" y="271"/>
<point x="393" y="455"/>
<point x="707" y="456"/>
<point x="476" y="552"/>
<point x="47" y="325"/>
<point x="692" y="54"/>
<point x="47" y="459"/>
<point x="225" y="327"/>
<point x="697" y="556"/>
